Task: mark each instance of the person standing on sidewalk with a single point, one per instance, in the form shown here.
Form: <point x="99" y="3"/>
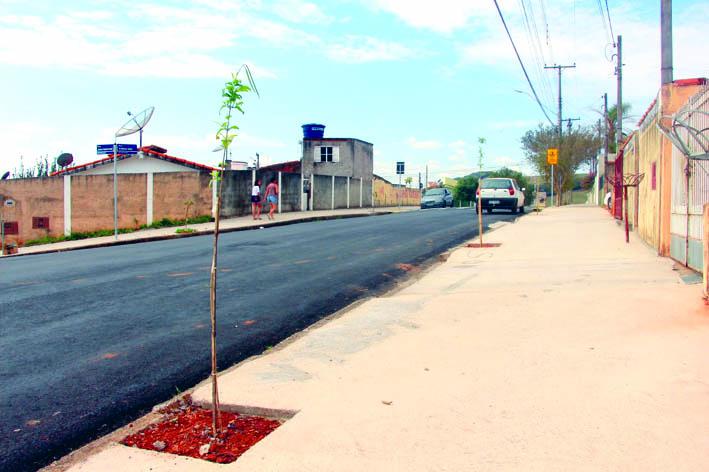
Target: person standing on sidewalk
<point x="272" y="196"/>
<point x="256" y="200"/>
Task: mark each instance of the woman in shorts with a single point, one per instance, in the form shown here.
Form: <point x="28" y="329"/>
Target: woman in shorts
<point x="272" y="196"/>
<point x="256" y="200"/>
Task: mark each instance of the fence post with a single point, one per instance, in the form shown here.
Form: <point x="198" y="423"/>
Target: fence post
<point x="361" y="180"/>
<point x="67" y="205"/>
<point x="332" y="194"/>
<point x="312" y="192"/>
<point x="280" y="192"/>
<point x="149" y="199"/>
<point x="705" y="243"/>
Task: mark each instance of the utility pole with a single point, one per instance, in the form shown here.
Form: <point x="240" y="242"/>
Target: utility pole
<point x="605" y="129"/>
<point x="425" y="185"/>
<point x="560" y="119"/>
<point x="568" y="122"/>
<point x="666" y="41"/>
<point x="619" y="106"/>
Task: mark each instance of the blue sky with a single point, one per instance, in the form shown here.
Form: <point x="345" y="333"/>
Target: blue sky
<point x="420" y="80"/>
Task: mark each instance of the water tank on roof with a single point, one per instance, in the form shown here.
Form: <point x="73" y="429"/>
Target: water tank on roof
<point x="313" y="131"/>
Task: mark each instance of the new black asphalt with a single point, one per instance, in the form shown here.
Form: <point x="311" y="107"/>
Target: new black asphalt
<point x="92" y="339"/>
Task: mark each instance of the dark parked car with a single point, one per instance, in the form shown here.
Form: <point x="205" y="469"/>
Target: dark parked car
<point x="437" y="198"/>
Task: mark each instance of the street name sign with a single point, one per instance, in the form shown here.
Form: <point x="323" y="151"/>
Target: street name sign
<point x="104" y="149"/>
<point x="122" y="148"/>
<point x="127" y="149"/>
<point x="552" y="156"/>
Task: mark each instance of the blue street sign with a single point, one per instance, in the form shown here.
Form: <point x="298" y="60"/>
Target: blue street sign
<point x="122" y="149"/>
<point x="104" y="149"/>
<point x="127" y="149"/>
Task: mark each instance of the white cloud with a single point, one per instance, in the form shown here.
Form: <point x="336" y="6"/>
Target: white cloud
<point x="130" y="45"/>
<point x="414" y="143"/>
<point x="442" y="16"/>
<point x="299" y="11"/>
<point x="459" y="149"/>
<point x="358" y="49"/>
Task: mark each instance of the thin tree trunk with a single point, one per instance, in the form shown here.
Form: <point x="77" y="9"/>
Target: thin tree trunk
<point x="216" y="417"/>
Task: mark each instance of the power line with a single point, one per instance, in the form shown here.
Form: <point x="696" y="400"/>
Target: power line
<point x="536" y="97"/>
<point x="603" y="19"/>
<point x="537" y="49"/>
<point x="610" y="24"/>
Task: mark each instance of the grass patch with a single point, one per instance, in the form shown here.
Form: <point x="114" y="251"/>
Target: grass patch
<point x="580" y="196"/>
<point x="164" y="223"/>
<point x="185" y="230"/>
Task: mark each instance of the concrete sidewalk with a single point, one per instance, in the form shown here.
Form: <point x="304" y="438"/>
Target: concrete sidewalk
<point x="226" y="225"/>
<point x="563" y="349"/>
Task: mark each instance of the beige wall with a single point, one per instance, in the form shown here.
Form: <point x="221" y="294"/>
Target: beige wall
<point x="92" y="201"/>
<point x="649" y="142"/>
<point x="386" y="194"/>
<point x="34" y="198"/>
<point x="172" y="190"/>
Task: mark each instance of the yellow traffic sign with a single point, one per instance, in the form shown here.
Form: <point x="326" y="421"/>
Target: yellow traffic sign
<point x="552" y="156"/>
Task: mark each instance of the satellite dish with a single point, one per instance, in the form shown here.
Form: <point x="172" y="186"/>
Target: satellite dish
<point x="5" y="175"/>
<point x="65" y="159"/>
<point x="136" y="122"/>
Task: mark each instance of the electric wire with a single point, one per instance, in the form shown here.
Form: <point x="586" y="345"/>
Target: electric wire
<point x="531" y="86"/>
<point x="602" y="12"/>
<point x="537" y="55"/>
<point x="541" y="59"/>
<point x="610" y="24"/>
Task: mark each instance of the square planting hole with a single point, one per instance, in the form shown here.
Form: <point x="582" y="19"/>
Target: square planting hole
<point x="186" y="430"/>
<point x="484" y="245"/>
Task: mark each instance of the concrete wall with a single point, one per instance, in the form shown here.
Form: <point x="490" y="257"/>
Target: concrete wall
<point x="322" y="192"/>
<point x="341" y="192"/>
<point x="356" y="158"/>
<point x="34" y="198"/>
<point x="354" y="193"/>
<point x="290" y="192"/>
<point x="367" y="193"/>
<point x="236" y="193"/>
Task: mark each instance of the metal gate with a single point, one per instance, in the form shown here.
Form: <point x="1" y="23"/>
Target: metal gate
<point x="690" y="186"/>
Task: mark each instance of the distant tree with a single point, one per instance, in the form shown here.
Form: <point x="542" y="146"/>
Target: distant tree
<point x="408" y="180"/>
<point x="578" y="146"/>
<point x="611" y="120"/>
<point x="464" y="192"/>
<point x="42" y="167"/>
<point x="521" y="179"/>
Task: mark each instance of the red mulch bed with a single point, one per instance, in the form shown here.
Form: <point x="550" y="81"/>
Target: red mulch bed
<point x="485" y="245"/>
<point x="186" y="428"/>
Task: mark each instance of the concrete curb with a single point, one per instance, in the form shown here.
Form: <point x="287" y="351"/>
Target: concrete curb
<point x="163" y="237"/>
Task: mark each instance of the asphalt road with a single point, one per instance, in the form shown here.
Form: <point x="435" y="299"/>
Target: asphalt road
<point x="92" y="339"/>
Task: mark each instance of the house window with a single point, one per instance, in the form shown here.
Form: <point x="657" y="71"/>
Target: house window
<point x="326" y="154"/>
<point x="653" y="181"/>
<point x="11" y="227"/>
<point x="40" y="222"/>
